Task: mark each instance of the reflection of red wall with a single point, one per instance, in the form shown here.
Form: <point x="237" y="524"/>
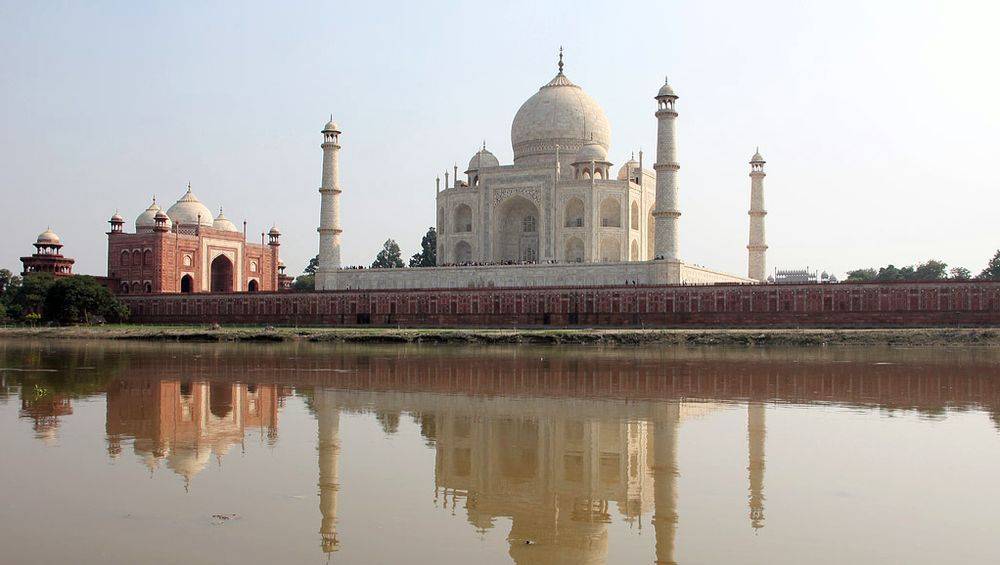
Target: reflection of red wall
<point x="948" y="303"/>
<point x="919" y="381"/>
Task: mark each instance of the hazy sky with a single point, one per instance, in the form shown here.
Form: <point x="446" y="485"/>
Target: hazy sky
<point x="879" y="120"/>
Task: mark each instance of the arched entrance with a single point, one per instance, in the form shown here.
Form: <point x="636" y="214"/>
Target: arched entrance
<point x="252" y="286"/>
<point x="222" y="274"/>
<point x="574" y="250"/>
<point x="463" y="252"/>
<point x="517" y="231"/>
<point x="187" y="284"/>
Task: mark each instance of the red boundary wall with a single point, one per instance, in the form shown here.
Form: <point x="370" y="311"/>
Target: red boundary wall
<point x="913" y="304"/>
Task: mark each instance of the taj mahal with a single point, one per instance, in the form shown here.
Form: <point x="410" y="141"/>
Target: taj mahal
<point x="559" y="215"/>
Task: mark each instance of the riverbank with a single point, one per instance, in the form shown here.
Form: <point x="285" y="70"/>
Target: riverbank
<point x="698" y="337"/>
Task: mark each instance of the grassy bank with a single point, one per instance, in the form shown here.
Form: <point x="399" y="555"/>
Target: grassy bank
<point x="729" y="337"/>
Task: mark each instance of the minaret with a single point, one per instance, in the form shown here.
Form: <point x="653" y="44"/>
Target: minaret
<point x="665" y="472"/>
<point x="329" y="214"/>
<point x="756" y="433"/>
<point x="328" y="421"/>
<point x="666" y="213"/>
<point x="757" y="247"/>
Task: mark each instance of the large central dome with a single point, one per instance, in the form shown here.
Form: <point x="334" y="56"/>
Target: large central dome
<point x="560" y="113"/>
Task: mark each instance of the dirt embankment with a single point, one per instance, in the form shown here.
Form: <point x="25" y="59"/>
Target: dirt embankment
<point x="695" y="337"/>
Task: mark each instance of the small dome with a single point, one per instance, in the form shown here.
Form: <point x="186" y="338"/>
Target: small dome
<point x="147" y="219"/>
<point x="48" y="237"/>
<point x="482" y="159"/>
<point x="757" y="158"/>
<point x="117" y="218"/>
<point x="274" y="231"/>
<point x="591" y="151"/>
<point x="632" y="165"/>
<point x="161" y="216"/>
<point x="222" y="223"/>
<point x="330" y="127"/>
<point x="189" y="209"/>
<point x="665" y="90"/>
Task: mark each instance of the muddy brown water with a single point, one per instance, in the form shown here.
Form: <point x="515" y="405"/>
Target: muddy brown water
<point x="134" y="452"/>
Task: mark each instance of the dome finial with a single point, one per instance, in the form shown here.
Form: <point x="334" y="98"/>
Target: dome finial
<point x="560" y="59"/>
<point x="189" y="186"/>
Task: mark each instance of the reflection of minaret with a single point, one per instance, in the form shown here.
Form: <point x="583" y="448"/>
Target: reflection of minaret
<point x="665" y="482"/>
<point x="328" y="420"/>
<point x="755" y="429"/>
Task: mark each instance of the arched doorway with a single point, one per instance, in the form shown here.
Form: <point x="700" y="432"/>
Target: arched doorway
<point x="252" y="286"/>
<point x="517" y="231"/>
<point x="187" y="284"/>
<point x="574" y="250"/>
<point x="610" y="250"/>
<point x="463" y="252"/>
<point x="574" y="213"/>
<point x="222" y="274"/>
<point x="463" y="218"/>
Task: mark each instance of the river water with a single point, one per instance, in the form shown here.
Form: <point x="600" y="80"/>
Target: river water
<point x="115" y="452"/>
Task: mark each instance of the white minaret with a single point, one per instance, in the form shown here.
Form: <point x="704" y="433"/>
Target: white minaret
<point x="666" y="213"/>
<point x="329" y="213"/>
<point x="757" y="247"/>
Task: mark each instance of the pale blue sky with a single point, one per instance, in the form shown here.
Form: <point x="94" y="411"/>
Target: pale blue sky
<point x="879" y="120"/>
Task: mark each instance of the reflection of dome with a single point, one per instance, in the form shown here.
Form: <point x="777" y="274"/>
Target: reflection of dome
<point x="482" y="159"/>
<point x="47" y="237"/>
<point x="222" y="223"/>
<point x="147" y="220"/>
<point x="189" y="209"/>
<point x="188" y="460"/>
<point x="559" y="113"/>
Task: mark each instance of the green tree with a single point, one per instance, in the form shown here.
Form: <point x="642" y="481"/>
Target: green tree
<point x="428" y="250"/>
<point x="80" y="298"/>
<point x="959" y="274"/>
<point x="930" y="271"/>
<point x="312" y="266"/>
<point x="29" y="297"/>
<point x="8" y="280"/>
<point x="304" y="283"/>
<point x="992" y="270"/>
<point x="862" y="275"/>
<point x="390" y="256"/>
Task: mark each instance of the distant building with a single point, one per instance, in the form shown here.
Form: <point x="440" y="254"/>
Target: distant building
<point x="800" y="276"/>
<point x="48" y="257"/>
<point x="185" y="249"/>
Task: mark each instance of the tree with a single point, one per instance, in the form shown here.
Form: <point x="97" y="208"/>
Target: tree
<point x="29" y="297"/>
<point x="959" y="274"/>
<point x="304" y="283"/>
<point x="862" y="275"/>
<point x="992" y="270"/>
<point x="930" y="271"/>
<point x="428" y="250"/>
<point x="390" y="256"/>
<point x="312" y="266"/>
<point x="80" y="298"/>
<point x="8" y="280"/>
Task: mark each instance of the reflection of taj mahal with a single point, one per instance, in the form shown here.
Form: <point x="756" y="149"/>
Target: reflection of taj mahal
<point x="558" y="470"/>
<point x="560" y="214"/>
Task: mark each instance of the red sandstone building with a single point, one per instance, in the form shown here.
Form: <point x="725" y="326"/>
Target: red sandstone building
<point x="48" y="257"/>
<point x="184" y="249"/>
